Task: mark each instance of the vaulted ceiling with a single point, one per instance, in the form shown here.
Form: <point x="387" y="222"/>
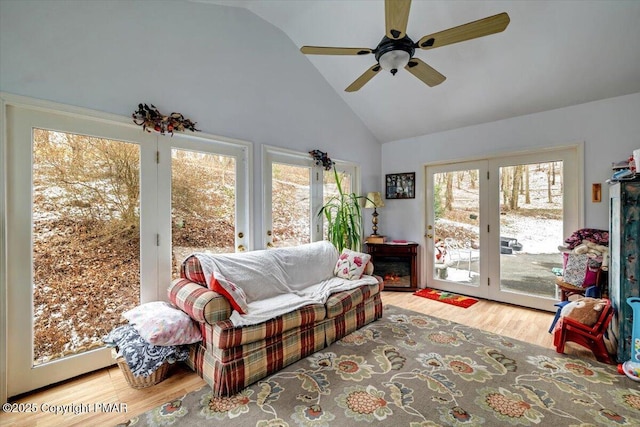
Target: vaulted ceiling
<point x="553" y="54"/>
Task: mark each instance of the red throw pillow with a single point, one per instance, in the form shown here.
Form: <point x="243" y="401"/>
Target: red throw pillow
<point x="235" y="295"/>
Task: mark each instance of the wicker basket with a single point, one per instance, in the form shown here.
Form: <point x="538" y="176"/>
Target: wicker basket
<point x="141" y="381"/>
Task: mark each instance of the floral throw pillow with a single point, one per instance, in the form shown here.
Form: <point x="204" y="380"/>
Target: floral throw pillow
<point x="351" y="264"/>
<point x="160" y="323"/>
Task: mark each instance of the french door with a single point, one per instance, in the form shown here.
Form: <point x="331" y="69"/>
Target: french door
<point x="91" y="205"/>
<point x="494" y="225"/>
<point x="295" y="189"/>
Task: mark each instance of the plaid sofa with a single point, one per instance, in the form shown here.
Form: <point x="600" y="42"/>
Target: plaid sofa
<point x="231" y="358"/>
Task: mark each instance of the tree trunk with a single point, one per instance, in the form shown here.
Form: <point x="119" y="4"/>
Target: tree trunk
<point x="549" y="184"/>
<point x="527" y="193"/>
<point x="517" y="178"/>
<point x="448" y="195"/>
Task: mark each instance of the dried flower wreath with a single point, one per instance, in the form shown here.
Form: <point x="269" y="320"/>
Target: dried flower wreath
<point x="150" y="119"/>
<point x="322" y="158"/>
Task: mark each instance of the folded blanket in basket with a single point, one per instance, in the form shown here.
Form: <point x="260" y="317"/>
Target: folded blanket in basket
<point x="143" y="358"/>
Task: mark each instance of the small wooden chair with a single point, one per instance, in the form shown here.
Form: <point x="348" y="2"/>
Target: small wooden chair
<point x="591" y="337"/>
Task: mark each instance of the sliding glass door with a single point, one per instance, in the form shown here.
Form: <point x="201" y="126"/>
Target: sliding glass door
<point x="493" y="226"/>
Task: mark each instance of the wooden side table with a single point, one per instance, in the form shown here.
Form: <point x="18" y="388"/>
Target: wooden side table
<point x="396" y="263"/>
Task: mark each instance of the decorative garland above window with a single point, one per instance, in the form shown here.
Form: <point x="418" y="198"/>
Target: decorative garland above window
<point x="321" y="158"/>
<point x="150" y="119"/>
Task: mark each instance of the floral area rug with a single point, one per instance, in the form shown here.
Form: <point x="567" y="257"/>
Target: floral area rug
<point x="446" y="297"/>
<point x="409" y="369"/>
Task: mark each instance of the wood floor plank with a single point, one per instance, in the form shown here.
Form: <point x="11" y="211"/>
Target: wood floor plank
<point x="109" y="385"/>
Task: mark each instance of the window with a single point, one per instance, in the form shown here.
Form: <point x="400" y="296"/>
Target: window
<point x="92" y="205"/>
<point x="295" y="189"/>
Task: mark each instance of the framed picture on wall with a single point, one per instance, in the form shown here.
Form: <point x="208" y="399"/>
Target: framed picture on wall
<point x="400" y="185"/>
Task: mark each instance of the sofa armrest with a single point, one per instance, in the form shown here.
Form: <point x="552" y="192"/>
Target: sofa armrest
<point x="201" y="304"/>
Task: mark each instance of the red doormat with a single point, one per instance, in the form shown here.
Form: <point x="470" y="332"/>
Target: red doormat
<point x="447" y="297"/>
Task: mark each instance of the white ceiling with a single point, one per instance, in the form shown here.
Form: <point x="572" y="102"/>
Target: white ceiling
<point x="553" y="54"/>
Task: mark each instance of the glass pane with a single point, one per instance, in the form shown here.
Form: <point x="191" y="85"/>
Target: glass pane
<point x="330" y="190"/>
<point x="531" y="212"/>
<point x="290" y="204"/>
<point x="456" y="229"/>
<point x="203" y="204"/>
<point x="86" y="240"/>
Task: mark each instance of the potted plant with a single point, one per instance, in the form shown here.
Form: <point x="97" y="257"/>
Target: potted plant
<point x="344" y="218"/>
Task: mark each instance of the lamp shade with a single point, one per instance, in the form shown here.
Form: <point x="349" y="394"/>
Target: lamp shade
<point x="394" y="60"/>
<point x="374" y="200"/>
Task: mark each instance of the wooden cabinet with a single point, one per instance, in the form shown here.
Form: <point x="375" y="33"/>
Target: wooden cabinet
<point x="397" y="264"/>
<point x="624" y="265"/>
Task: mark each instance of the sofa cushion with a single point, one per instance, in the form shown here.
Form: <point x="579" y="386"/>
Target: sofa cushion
<point x="341" y="302"/>
<point x="200" y="303"/>
<point x="223" y="334"/>
<point x="351" y="264"/>
<point x="226" y="355"/>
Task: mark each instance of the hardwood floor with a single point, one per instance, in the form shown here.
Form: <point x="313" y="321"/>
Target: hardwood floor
<point x="91" y="394"/>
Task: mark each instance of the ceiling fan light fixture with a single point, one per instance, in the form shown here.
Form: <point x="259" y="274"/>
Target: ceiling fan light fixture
<point x="393" y="60"/>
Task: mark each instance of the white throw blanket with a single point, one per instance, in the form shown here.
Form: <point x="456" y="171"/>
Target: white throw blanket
<point x="277" y="281"/>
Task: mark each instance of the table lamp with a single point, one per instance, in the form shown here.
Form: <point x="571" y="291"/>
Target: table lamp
<point x="374" y="200"/>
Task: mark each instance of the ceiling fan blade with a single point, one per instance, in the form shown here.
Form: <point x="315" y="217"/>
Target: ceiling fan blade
<point x="363" y="79"/>
<point x="480" y="28"/>
<point x="321" y="50"/>
<point x="424" y="72"/>
<point x="396" y="16"/>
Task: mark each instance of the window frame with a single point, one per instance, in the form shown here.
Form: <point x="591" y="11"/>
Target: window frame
<point x="271" y="155"/>
<point x="155" y="226"/>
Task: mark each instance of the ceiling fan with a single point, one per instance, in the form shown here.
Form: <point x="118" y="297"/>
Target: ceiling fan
<point x="396" y="49"/>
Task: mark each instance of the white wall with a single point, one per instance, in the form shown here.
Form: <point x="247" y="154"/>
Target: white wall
<point x="233" y="73"/>
<point x="610" y="130"/>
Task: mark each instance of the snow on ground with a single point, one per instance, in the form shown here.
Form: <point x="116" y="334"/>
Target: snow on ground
<point x="536" y="235"/>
